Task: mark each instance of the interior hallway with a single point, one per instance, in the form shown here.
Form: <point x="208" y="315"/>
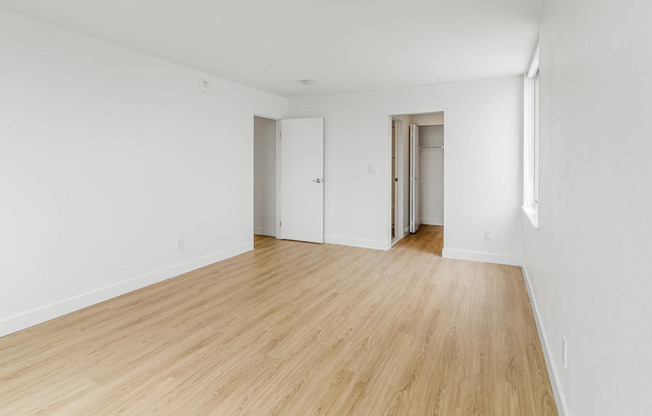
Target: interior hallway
<point x="429" y="239"/>
<point x="294" y="329"/>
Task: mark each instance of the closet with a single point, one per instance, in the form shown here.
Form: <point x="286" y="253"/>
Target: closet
<point x="426" y="167"/>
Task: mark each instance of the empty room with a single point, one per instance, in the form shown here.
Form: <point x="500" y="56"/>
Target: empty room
<point x="357" y="207"/>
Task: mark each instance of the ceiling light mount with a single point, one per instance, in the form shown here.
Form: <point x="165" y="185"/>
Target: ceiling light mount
<point x="204" y="85"/>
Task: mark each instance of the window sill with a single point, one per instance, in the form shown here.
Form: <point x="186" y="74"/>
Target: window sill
<point x="532" y="213"/>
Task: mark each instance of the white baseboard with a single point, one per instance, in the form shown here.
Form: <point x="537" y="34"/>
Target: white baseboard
<point x="483" y="257"/>
<point x="406" y="231"/>
<point x="36" y="316"/>
<point x="432" y="221"/>
<point x="357" y="242"/>
<point x="265" y="231"/>
<point x="545" y="345"/>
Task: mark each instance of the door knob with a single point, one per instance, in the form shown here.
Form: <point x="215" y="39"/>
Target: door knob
<point x="318" y="180"/>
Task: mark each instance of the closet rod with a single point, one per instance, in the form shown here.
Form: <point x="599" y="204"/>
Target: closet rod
<point x="431" y="147"/>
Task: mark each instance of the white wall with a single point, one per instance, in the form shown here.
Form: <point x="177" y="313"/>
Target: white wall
<point x="589" y="264"/>
<point x="264" y="176"/>
<point x="483" y="163"/>
<point x="107" y="157"/>
<point x="431" y="135"/>
<point x="431" y="176"/>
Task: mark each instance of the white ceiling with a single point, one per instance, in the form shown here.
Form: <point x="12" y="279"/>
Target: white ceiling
<point x="344" y="45"/>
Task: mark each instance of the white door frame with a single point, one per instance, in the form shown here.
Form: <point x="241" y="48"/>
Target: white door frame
<point x="398" y="220"/>
<point x="415" y="182"/>
<point x="279" y="234"/>
<point x="279" y="157"/>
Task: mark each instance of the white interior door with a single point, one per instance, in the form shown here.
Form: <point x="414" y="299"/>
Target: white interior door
<point x="415" y="203"/>
<point x="302" y="180"/>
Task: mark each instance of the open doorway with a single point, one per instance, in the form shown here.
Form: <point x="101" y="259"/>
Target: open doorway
<point x="288" y="179"/>
<point x="420" y="189"/>
<point x="264" y="177"/>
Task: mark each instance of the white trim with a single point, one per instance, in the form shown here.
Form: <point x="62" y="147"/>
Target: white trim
<point x="432" y="221"/>
<point x="271" y="232"/>
<point x="560" y="400"/>
<point x="532" y="213"/>
<point x="406" y="231"/>
<point x="531" y="134"/>
<point x="534" y="62"/>
<point x="389" y="188"/>
<point x="400" y="191"/>
<point x="483" y="257"/>
<point x="279" y="231"/>
<point x="36" y="316"/>
<point x="357" y="242"/>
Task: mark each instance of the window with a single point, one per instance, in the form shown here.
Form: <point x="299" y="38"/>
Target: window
<point x="531" y="141"/>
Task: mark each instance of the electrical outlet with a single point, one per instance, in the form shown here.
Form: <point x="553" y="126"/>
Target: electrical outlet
<point x="180" y="243"/>
<point x="564" y="352"/>
<point x="487" y="235"/>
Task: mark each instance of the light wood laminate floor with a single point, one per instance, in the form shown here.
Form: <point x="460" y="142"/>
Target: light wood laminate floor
<point x="294" y="329"/>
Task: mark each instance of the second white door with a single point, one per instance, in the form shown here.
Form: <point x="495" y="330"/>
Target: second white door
<point x="302" y="180"/>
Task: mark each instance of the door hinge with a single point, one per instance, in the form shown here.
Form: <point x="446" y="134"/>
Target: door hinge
<point x="280" y="223"/>
<point x="280" y="134"/>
